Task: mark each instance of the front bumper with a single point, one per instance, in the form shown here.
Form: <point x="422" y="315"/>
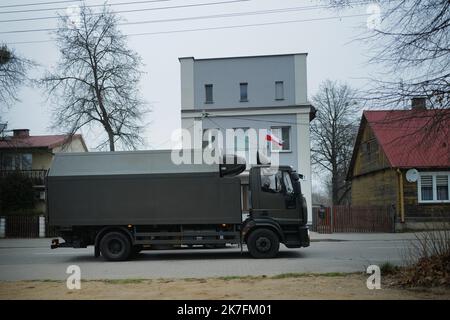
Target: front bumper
<point x="304" y="236"/>
<point x="301" y="240"/>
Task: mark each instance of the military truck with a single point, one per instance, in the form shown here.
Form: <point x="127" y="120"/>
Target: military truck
<point x="125" y="202"/>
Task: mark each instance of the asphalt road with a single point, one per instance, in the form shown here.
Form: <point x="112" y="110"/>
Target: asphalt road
<point x="32" y="259"/>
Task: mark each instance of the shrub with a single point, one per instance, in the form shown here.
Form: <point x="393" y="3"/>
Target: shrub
<point x="16" y="192"/>
<point x="429" y="258"/>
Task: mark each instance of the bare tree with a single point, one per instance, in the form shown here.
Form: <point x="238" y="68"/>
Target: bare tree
<point x="333" y="132"/>
<point x="13" y="73"/>
<point x="96" y="82"/>
<point x="413" y="43"/>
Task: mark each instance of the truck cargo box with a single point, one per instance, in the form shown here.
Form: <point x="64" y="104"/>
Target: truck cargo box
<point x="139" y="187"/>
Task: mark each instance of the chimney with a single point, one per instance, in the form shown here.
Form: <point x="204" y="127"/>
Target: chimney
<point x="419" y="103"/>
<point x="21" y="133"/>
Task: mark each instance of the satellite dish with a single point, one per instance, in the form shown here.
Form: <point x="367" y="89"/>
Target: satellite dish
<point x="412" y="175"/>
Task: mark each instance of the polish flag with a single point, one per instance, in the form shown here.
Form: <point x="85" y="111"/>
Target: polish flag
<point x="272" y="138"/>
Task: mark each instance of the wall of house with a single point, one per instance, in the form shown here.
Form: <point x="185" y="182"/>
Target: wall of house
<point x="74" y="146"/>
<point x="260" y="73"/>
<point x="42" y="160"/>
<point x="379" y="188"/>
<point x="370" y="157"/>
<point x="382" y="188"/>
<point x="226" y="74"/>
<point x="261" y="122"/>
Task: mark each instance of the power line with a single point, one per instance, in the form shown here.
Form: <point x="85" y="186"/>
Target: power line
<point x="227" y="15"/>
<point x="218" y="28"/>
<point x="248" y="25"/>
<point x="37" y="3"/>
<point x="184" y="19"/>
<point x="136" y="10"/>
<point x="260" y="120"/>
<point x="96" y="5"/>
<point x="281" y="10"/>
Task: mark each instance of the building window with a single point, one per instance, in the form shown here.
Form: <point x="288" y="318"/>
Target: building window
<point x="279" y="90"/>
<point x="241" y="140"/>
<point x="208" y="93"/>
<point x="281" y="139"/>
<point x="426" y="187"/>
<point x="209" y="137"/>
<point x="16" y="161"/>
<point x="244" y="91"/>
<point x="369" y="150"/>
<point x="434" y="187"/>
<point x="442" y="187"/>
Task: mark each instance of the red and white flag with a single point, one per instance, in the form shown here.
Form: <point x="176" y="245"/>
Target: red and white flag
<point x="272" y="138"/>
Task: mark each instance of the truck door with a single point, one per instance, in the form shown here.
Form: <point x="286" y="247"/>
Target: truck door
<point x="275" y="195"/>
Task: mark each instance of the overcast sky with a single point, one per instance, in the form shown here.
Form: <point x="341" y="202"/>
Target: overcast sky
<point x="331" y="54"/>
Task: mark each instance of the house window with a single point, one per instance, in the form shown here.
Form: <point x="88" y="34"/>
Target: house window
<point x="370" y="148"/>
<point x="241" y="140"/>
<point x="434" y="187"/>
<point x="283" y="139"/>
<point x="208" y="93"/>
<point x="442" y="187"/>
<point x="7" y="161"/>
<point x="16" y="161"/>
<point x="279" y="90"/>
<point x="244" y="91"/>
<point x="426" y="187"/>
<point x="25" y="161"/>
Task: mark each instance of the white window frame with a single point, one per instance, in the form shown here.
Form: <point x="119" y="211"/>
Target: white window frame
<point x="281" y="137"/>
<point x="433" y="175"/>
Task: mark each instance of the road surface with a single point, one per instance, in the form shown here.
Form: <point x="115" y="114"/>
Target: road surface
<point x="32" y="259"/>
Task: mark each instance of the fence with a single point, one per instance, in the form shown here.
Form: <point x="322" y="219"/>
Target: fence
<point x="24" y="226"/>
<point x="353" y="219"/>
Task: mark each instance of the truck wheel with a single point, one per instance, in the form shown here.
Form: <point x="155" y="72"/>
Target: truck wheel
<point x="115" y="246"/>
<point x="263" y="244"/>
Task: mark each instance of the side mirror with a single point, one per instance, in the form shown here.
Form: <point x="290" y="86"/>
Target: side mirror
<point x="296" y="176"/>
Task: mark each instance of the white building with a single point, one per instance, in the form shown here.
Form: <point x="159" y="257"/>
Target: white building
<point x="260" y="92"/>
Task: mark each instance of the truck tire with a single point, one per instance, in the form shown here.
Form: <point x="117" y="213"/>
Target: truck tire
<point x="263" y="244"/>
<point x="115" y="246"/>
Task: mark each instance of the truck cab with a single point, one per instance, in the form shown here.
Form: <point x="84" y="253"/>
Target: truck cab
<point x="278" y="211"/>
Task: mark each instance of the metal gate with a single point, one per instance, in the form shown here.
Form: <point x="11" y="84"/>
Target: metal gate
<point x="22" y="226"/>
<point x="26" y="226"/>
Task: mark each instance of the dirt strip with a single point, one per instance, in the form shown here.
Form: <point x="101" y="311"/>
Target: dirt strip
<point x="351" y="286"/>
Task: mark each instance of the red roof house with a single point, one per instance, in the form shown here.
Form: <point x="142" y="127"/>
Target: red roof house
<point x="401" y="159"/>
<point x="32" y="155"/>
<point x="22" y="140"/>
